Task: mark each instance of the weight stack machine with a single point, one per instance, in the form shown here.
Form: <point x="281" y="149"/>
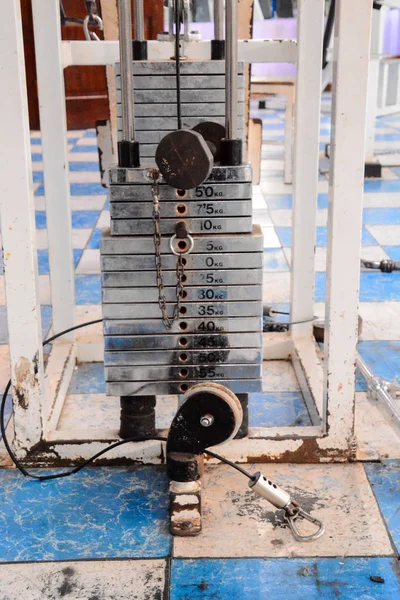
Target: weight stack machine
<point x="182" y="263"/>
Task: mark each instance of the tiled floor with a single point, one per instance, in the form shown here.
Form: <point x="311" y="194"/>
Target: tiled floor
<point x="103" y="534"/>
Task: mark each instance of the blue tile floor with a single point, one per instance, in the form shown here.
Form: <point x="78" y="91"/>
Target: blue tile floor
<point x="103" y="534"/>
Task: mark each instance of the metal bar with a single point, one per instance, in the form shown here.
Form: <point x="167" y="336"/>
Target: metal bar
<point x="125" y="48"/>
<point x="218" y="20"/>
<point x="306" y="159"/>
<point x="139" y="21"/>
<point x="233" y="293"/>
<point x="168" y="226"/>
<point x="346" y="179"/>
<point x="107" y="52"/>
<point x="198" y="278"/>
<point x="53" y="124"/>
<point x="17" y="214"/>
<point x="378" y="388"/>
<point x="231" y="69"/>
<point x="190" y="357"/>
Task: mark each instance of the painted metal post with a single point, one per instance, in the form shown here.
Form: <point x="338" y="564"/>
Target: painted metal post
<point x="346" y="179"/>
<point x="17" y="213"/>
<point x="306" y="157"/>
<point x="53" y="123"/>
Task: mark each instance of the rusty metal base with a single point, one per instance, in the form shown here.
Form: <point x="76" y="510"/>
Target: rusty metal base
<point x="185" y="508"/>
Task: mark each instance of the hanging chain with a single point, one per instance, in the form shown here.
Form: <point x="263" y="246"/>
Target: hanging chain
<point x="180" y="269"/>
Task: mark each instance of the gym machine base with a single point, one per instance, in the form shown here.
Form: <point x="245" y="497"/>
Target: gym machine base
<point x="328" y="388"/>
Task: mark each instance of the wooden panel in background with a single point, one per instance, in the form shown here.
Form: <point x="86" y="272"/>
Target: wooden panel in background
<point x="85" y="87"/>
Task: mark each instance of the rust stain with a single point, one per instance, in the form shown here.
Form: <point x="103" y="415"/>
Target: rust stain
<point x="308" y="452"/>
<point x="340" y="387"/>
<point x="24" y="379"/>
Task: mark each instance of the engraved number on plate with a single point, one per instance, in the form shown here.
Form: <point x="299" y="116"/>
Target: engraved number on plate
<point x="209" y="311"/>
<point x="208" y="225"/>
<point x="206" y="191"/>
<point x="209" y="326"/>
<point x="211" y="294"/>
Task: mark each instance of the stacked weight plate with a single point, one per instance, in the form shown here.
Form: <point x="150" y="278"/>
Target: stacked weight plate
<point x="202" y="96"/>
<point x="218" y="334"/>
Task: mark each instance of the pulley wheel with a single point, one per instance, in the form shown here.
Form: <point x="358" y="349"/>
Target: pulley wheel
<point x="213" y="133"/>
<point x="210" y="415"/>
<point x="184" y="159"/>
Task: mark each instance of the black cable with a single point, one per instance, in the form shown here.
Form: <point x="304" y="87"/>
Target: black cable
<point x="178" y="63"/>
<point x="328" y="33"/>
<point x="3" y="404"/>
<point x="98" y="454"/>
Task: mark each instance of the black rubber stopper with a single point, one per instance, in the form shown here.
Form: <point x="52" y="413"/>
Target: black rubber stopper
<point x="128" y="154"/>
<point x="213" y="133"/>
<point x="139" y="50"/>
<point x="217" y="49"/>
<point x="138" y="417"/>
<point x="184" y="159"/>
<point x="231" y="153"/>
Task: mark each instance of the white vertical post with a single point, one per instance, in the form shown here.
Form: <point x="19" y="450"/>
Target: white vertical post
<point x="306" y="157"/>
<point x="372" y="102"/>
<point x="50" y="76"/>
<point x="18" y="232"/>
<point x="346" y="179"/>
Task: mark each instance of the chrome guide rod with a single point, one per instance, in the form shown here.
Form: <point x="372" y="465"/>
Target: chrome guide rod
<point x="139" y="21"/>
<point x="378" y="388"/>
<point x="231" y="88"/>
<point x="125" y="52"/>
<point x="218" y="19"/>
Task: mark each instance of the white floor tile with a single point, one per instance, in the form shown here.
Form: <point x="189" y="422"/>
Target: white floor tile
<point x="104" y="220"/>
<point x="271" y="239"/>
<point x="381" y="320"/>
<point x="84" y="156"/>
<point x="84" y="177"/>
<point x="373" y="253"/>
<point x="89" y="262"/>
<point x="238" y="523"/>
<point x="80" y="237"/>
<point x="377" y="431"/>
<point x="88" y="202"/>
<point x="386" y="235"/>
<point x="381" y="200"/>
<point x="276" y="287"/>
<point x="86" y="580"/>
<point x="279" y="376"/>
<point x="262" y="217"/>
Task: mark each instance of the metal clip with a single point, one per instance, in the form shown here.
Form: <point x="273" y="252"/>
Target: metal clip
<point x="292" y="513"/>
<point x="91" y="35"/>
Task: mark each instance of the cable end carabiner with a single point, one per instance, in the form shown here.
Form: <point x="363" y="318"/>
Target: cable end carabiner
<point x="292" y="513"/>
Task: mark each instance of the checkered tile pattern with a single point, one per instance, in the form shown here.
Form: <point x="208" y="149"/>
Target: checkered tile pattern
<point x="236" y="557"/>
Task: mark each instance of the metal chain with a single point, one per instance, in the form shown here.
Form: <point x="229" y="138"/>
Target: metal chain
<point x="180" y="269"/>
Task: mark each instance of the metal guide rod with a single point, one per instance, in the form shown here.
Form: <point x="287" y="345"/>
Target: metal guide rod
<point x="218" y="19"/>
<point x="125" y="52"/>
<point x="231" y="70"/>
<point x="139" y="21"/>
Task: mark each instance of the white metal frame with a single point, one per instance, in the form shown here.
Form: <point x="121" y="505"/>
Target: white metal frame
<point x="328" y="387"/>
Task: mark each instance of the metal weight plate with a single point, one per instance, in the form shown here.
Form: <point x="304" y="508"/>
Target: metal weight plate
<point x="205" y="243"/>
<point x="203" y="325"/>
<point x="187" y="310"/>
<point x="201" y="278"/>
<point x="184" y="342"/>
<point x="191" y="82"/>
<point x="193" y="225"/>
<point x="203" y="208"/>
<point x="150" y="136"/>
<point x="205" y="192"/>
<point x="168" y="388"/>
<point x="185" y="357"/>
<point x="214" y="132"/>
<point x="146" y="262"/>
<point x="195" y="109"/>
<point x="184" y="159"/>
<point x="144" y="175"/>
<point x="144" y="68"/>
<point x="182" y="372"/>
<point x="187" y="96"/>
<point x="233" y="293"/>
